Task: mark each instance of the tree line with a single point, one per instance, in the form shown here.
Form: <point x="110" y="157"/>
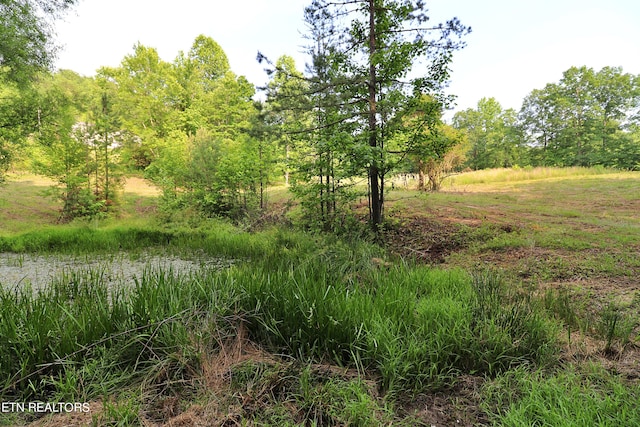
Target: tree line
<point x="193" y="127"/>
<point x="367" y="106"/>
<point x="588" y="118"/>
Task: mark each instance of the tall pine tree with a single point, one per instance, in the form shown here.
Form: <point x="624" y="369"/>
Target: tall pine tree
<point x="373" y="58"/>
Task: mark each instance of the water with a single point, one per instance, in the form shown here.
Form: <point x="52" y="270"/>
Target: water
<point x="37" y="271"/>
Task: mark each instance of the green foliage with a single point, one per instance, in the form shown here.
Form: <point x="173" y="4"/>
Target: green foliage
<point x="426" y="145"/>
<point x="142" y="99"/>
<point x="573" y="397"/>
<point x="189" y="125"/>
<point x="290" y="394"/>
<point x="77" y="145"/>
<point x="19" y="115"/>
<point x="356" y="93"/>
<point x="493" y="136"/>
<point x="314" y="300"/>
<point x="209" y="61"/>
<point x="26" y="51"/>
<point x="26" y="37"/>
<point x="220" y="175"/>
<point x="584" y="119"/>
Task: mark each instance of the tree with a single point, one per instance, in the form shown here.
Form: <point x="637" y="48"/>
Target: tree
<point x="61" y="151"/>
<point x="26" y="37"/>
<point x="434" y="147"/>
<point x="187" y="124"/>
<point x="326" y="165"/>
<point x="106" y="138"/>
<point x="19" y="116"/>
<point x="196" y="73"/>
<point x="444" y="162"/>
<point x="492" y="133"/>
<point x="285" y="109"/>
<point x="26" y="49"/>
<point x="366" y="68"/>
<point x="583" y="119"/>
<point x="209" y="61"/>
<point x="144" y="98"/>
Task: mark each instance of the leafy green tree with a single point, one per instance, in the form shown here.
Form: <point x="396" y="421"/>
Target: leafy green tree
<point x="542" y="122"/>
<point x="222" y="174"/>
<point x="144" y="98"/>
<point x="326" y="162"/>
<point x="263" y="151"/>
<point x="224" y="163"/>
<point x="432" y="147"/>
<point x="448" y="157"/>
<point x="188" y="124"/>
<point x="286" y="110"/>
<point x="227" y="109"/>
<point x="364" y="71"/>
<point x="492" y="133"/>
<point x="19" y="116"/>
<point x="26" y="37"/>
<point x="209" y="61"/>
<point x="26" y="50"/>
<point x="584" y="119"/>
<point x="196" y="74"/>
<point x="106" y="138"/>
<point x="62" y="151"/>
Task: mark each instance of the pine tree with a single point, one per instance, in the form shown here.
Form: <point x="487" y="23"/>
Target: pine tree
<point x="371" y="58"/>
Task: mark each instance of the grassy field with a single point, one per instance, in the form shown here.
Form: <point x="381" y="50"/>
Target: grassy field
<point x="511" y="298"/>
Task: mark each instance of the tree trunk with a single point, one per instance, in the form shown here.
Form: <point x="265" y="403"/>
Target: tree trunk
<point x="421" y="175"/>
<point x="286" y="164"/>
<point x="374" y="172"/>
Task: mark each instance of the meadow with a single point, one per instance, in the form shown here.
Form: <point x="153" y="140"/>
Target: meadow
<point x="510" y="298"/>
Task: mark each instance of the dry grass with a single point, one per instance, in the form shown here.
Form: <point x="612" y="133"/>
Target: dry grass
<point x="25" y="204"/>
<point x="140" y="187"/>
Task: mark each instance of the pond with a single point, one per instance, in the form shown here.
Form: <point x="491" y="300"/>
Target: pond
<point x="37" y="271"/>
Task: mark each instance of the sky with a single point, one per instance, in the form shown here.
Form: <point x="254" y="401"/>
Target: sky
<point x="515" y="46"/>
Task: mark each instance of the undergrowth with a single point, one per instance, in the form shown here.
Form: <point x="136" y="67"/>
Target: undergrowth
<point x="402" y="329"/>
<point x="320" y="299"/>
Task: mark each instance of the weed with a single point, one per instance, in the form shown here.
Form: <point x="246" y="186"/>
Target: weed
<point x="573" y="397"/>
<point x="615" y="325"/>
<point x="124" y="412"/>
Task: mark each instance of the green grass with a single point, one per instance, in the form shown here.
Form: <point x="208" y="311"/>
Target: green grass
<point x="511" y="175"/>
<point x="573" y="397"/>
<point x="24" y="205"/>
<point x="299" y="393"/>
<point x="313" y="299"/>
<point x="390" y="330"/>
<point x="573" y="223"/>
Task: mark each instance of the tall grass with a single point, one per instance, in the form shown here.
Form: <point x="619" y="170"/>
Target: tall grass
<point x="503" y="175"/>
<point x="215" y="237"/>
<point x="313" y="299"/>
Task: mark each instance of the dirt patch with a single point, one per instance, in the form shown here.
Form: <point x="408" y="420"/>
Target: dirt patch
<point x="140" y="187"/>
<point x="423" y="239"/>
<point x="457" y="406"/>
